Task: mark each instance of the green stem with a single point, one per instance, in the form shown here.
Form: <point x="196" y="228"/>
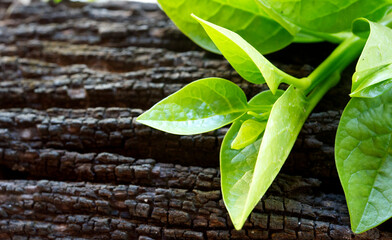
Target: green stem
<point x="302" y="83"/>
<point x="319" y="92"/>
<point x="334" y="38"/>
<point x="339" y="59"/>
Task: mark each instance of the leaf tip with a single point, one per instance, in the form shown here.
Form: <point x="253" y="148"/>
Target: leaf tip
<point x="140" y="118"/>
<point x="237" y="227"/>
<point x="358" y="229"/>
<point x="273" y="87"/>
<point x="235" y="145"/>
<point x="272" y="81"/>
<point x="238" y="224"/>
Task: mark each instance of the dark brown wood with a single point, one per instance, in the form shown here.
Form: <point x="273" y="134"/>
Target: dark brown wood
<point x="75" y="164"/>
<point x="26" y="132"/>
<point x="60" y="209"/>
<point x="34" y="83"/>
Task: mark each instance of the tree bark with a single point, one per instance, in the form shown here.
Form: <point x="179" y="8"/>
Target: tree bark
<point x="74" y="163"/>
<point x="25" y="132"/>
<point x="78" y="86"/>
<point x="56" y="209"/>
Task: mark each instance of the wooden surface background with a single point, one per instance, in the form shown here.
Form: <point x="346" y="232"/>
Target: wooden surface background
<point x="74" y="164"/>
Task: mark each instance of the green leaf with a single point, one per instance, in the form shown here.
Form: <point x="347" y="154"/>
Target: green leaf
<point x="237" y="168"/>
<point x="237" y="165"/>
<point x="375" y="64"/>
<point x="248" y="133"/>
<point x="248" y="182"/>
<point x="284" y="124"/>
<point x="244" y="58"/>
<point x="293" y="29"/>
<point x="245" y="18"/>
<point x="302" y="37"/>
<point x="374" y="91"/>
<point x="265" y="98"/>
<point x="363" y="153"/>
<point x="328" y="16"/>
<point x="201" y="106"/>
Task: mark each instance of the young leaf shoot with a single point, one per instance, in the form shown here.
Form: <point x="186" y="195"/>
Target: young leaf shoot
<point x="264" y="130"/>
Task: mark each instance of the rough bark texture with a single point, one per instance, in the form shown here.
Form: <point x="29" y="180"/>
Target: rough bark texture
<point x="60" y="209"/>
<point x="75" y="164"/>
<point x="26" y="132"/>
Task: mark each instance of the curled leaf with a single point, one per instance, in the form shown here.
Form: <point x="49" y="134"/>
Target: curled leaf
<point x="284" y="124"/>
<point x="249" y="131"/>
<point x="244" y="58"/>
<point x="247" y="173"/>
<point x="375" y="63"/>
<point x="237" y="166"/>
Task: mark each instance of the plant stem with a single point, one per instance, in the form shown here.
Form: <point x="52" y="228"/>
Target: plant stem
<point x="334" y="38"/>
<point x="302" y="83"/>
<point x="339" y="59"/>
<point x="318" y="93"/>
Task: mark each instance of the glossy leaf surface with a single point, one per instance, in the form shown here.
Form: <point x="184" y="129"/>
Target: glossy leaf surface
<point x="374" y="90"/>
<point x="265" y="98"/>
<point x="245" y="18"/>
<point x="201" y="106"/>
<point x="375" y="64"/>
<point x="244" y="58"/>
<point x="363" y="153"/>
<point x="284" y="124"/>
<point x="329" y="16"/>
<point x="237" y="166"/>
<point x="241" y="194"/>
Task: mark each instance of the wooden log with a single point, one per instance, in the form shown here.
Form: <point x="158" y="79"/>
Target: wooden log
<point x="100" y="129"/>
<point x="108" y="168"/>
<point x="110" y="24"/>
<point x="26" y="131"/>
<point x="292" y="209"/>
<point x="37" y="84"/>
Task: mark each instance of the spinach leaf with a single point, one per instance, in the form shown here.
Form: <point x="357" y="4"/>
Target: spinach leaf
<point x="237" y="166"/>
<point x="363" y="153"/>
<point x="201" y="106"/>
<point x="375" y="64"/>
<point x="245" y="59"/>
<point x="245" y="18"/>
<point x="329" y="16"/>
<point x="254" y="176"/>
